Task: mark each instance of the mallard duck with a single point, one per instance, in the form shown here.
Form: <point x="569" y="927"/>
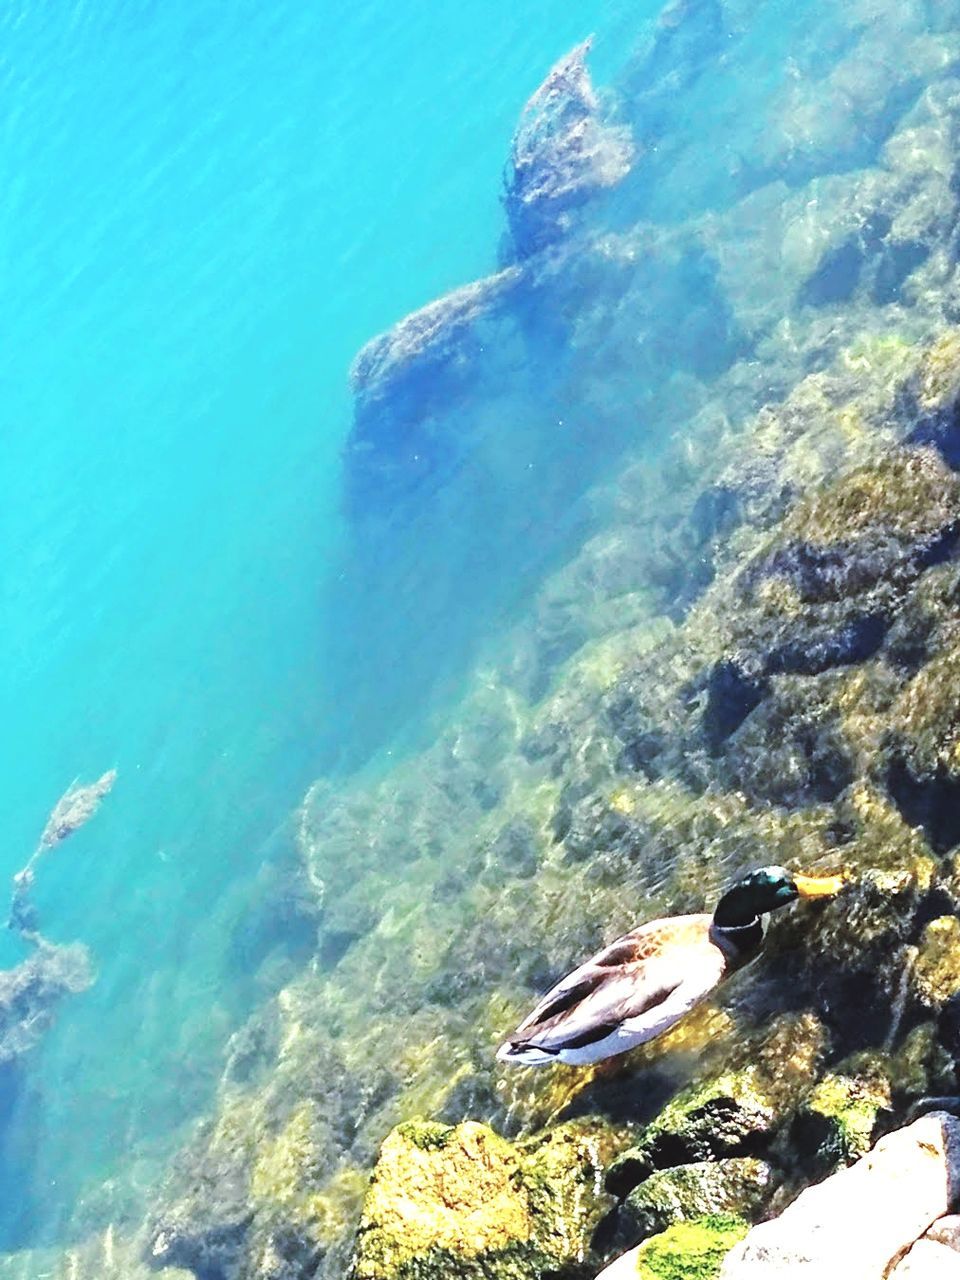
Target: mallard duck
<point x="645" y="982"/>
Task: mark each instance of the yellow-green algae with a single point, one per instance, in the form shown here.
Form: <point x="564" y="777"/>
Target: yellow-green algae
<point x="908" y="493"/>
<point x="463" y="1201"/>
<point x="841" y="1112"/>
<point x="925" y="718"/>
<point x="691" y="1250"/>
<point x="936" y="970"/>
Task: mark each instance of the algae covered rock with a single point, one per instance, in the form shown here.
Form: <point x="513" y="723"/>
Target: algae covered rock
<point x="937" y="968"/>
<point x="741" y="1185"/>
<point x="692" y="1250"/>
<point x="462" y="1201"/>
<point x="930" y="397"/>
<point x="726" y="1116"/>
<point x="924" y="725"/>
<point x="838" y="1120"/>
<point x="736" y="1112"/>
<point x="907" y="499"/>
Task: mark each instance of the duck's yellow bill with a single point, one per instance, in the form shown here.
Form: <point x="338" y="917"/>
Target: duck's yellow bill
<point x="818" y="886"/>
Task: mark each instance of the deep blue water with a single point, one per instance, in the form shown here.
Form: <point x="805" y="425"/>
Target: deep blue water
<point x="207" y="209"/>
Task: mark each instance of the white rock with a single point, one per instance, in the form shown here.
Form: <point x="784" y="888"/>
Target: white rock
<point x="858" y="1222"/>
<point x="946" y="1231"/>
<point x="928" y="1260"/>
<point x="622" y="1268"/>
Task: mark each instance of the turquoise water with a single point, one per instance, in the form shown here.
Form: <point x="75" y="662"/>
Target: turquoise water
<point x="207" y="210"/>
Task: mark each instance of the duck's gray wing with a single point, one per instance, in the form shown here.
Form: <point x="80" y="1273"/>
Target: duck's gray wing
<point x="638" y="973"/>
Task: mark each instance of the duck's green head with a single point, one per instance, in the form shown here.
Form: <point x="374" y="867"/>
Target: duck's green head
<point x="765" y="890"/>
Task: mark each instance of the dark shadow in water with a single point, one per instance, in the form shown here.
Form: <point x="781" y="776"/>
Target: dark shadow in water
<point x="932" y="803"/>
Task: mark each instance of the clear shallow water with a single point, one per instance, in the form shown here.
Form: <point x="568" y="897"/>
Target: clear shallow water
<point x="206" y="213"/>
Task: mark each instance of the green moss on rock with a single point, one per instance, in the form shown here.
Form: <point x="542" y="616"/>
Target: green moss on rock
<point x="462" y="1201"/>
<point x="734" y="1113"/>
<point x="740" y="1186"/>
<point x="937" y="968"/>
<point x="692" y="1250"/>
<point x="727" y="1115"/>
<point x="838" y="1121"/>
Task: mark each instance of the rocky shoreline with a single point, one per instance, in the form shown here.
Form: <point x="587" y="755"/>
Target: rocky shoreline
<point x="893" y="1213"/>
<point x="801" y="709"/>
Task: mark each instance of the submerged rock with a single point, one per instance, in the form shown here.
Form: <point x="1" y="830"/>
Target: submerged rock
<point x="924" y="727"/>
<point x="400" y="377"/>
<point x="31" y="993"/>
<point x="464" y="1202"/>
<point x="739" y="1185"/>
<point x="838" y="1120"/>
<point x="563" y="153"/>
<point x="889" y="521"/>
<point x="427" y="338"/>
<point x="936" y="972"/>
<point x="930" y="399"/>
<point x="735" y="1113"/>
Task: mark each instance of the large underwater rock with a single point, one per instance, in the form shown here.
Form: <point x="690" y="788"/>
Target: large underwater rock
<point x="562" y="154"/>
<point x="403" y="377"/>
<point x="463" y="1202"/>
